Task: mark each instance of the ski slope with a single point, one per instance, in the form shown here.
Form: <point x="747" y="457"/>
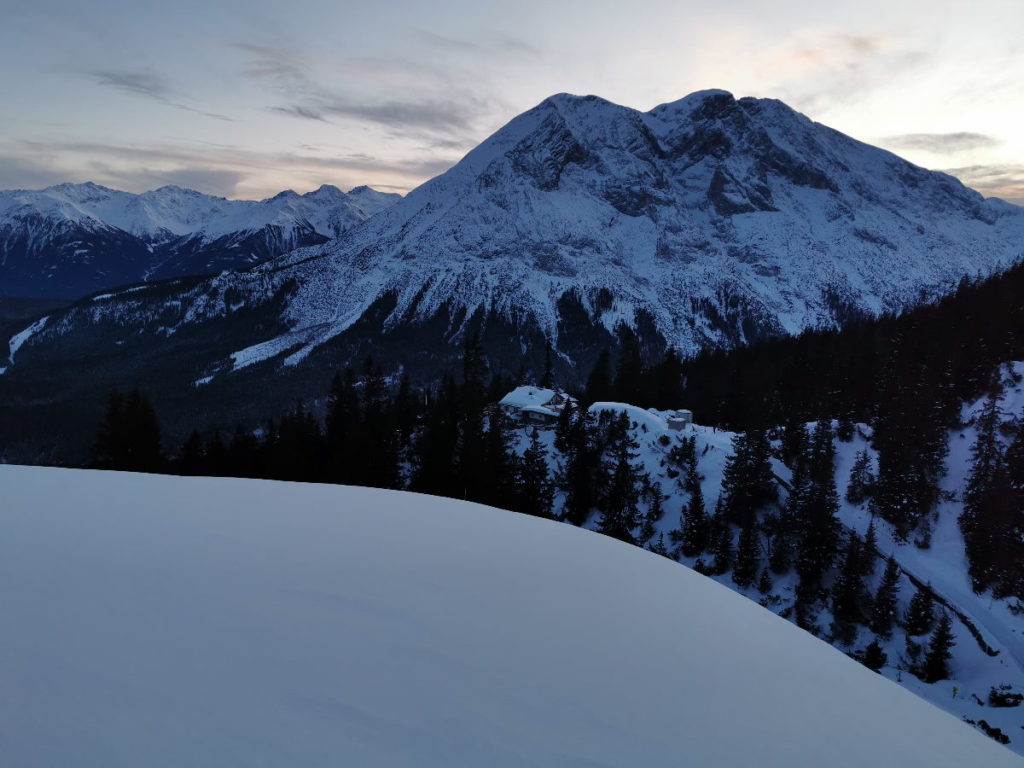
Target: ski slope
<point x="166" y="621"/>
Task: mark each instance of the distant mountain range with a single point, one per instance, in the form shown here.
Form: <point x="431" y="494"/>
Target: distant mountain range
<point x="73" y="239"/>
<point x="708" y="222"/>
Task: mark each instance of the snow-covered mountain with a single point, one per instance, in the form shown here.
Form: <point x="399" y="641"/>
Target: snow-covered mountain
<point x="709" y="221"/>
<point x="72" y="239"/>
<point x="174" y="621"/>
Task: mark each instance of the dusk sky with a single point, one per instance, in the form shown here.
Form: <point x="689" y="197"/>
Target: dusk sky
<point x="244" y="99"/>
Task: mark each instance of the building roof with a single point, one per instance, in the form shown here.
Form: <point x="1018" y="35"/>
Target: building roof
<point x="525" y="397"/>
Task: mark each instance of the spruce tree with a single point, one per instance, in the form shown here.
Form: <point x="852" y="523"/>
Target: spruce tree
<point x="747" y="556"/>
<point x="536" y="493"/>
<point x="883" y="610"/>
<point x="920" y="614"/>
<point x="694" y="537"/>
<point x="862" y="479"/>
<point x="129" y="437"/>
<point x="869" y="550"/>
<point x="935" y="666"/>
<point x="874" y="658"/>
<point x="992" y="521"/>
<point x="748" y="483"/>
<point x="848" y="594"/>
<point x="581" y="468"/>
<point x="721" y="543"/>
<point x="813" y="512"/>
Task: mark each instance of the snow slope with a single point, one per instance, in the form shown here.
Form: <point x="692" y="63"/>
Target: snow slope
<point x="167" y="621"/>
<point x="943" y="566"/>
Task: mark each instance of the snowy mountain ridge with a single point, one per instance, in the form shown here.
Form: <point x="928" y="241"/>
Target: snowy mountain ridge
<point x="719" y="219"/>
<point x="172" y="211"/>
<point x="84" y="236"/>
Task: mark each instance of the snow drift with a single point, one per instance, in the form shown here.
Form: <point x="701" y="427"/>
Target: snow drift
<point x="166" y="621"/>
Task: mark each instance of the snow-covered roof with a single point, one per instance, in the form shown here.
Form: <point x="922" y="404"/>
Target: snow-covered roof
<point x="637" y="415"/>
<point x="524" y="397"/>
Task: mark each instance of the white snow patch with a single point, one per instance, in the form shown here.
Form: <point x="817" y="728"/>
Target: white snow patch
<point x="183" y="621"/>
<point x="19" y="339"/>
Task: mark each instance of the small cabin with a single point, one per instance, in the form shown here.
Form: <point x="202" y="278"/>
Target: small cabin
<point x="534" y="406"/>
<point x="678" y="419"/>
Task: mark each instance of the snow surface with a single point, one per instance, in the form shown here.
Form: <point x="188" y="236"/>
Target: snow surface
<point x="166" y="621"/>
<point x="18" y="339"/>
<point x="526" y="396"/>
<point x="638" y="417"/>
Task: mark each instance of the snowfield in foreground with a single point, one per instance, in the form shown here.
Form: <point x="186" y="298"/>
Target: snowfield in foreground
<point x="161" y="621"/>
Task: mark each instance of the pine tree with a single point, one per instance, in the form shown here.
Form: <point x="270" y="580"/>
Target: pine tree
<point x="581" y="469"/>
<point x="868" y="550"/>
<point x="936" y="661"/>
<point x="920" y="613"/>
<point x="747" y="557"/>
<point x="862" y="479"/>
<point x="992" y="520"/>
<point x="764" y="583"/>
<point x="793" y="447"/>
<point x="883" y="611"/>
<point x="694" y="538"/>
<point x="129" y="437"/>
<point x="536" y="493"/>
<point x="813" y="509"/>
<point x="848" y="594"/>
<point x="721" y="543"/>
<point x="620" y="508"/>
<point x="874" y="658"/>
<point x="748" y="483"/>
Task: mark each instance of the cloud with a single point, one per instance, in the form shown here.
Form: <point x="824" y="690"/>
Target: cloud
<point x="20" y="172"/>
<point x="817" y="69"/>
<point x="446" y="110"/>
<point x="150" y="86"/>
<point x="137" y="83"/>
<point x="213" y="181"/>
<point x="487" y="43"/>
<point x="998" y="180"/>
<point x="942" y="142"/>
<point x="221" y="169"/>
<point x="299" y="111"/>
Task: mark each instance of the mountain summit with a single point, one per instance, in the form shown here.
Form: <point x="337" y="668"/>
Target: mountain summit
<point x="711" y="220"/>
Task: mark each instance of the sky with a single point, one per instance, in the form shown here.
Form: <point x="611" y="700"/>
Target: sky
<point x="245" y="99"/>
